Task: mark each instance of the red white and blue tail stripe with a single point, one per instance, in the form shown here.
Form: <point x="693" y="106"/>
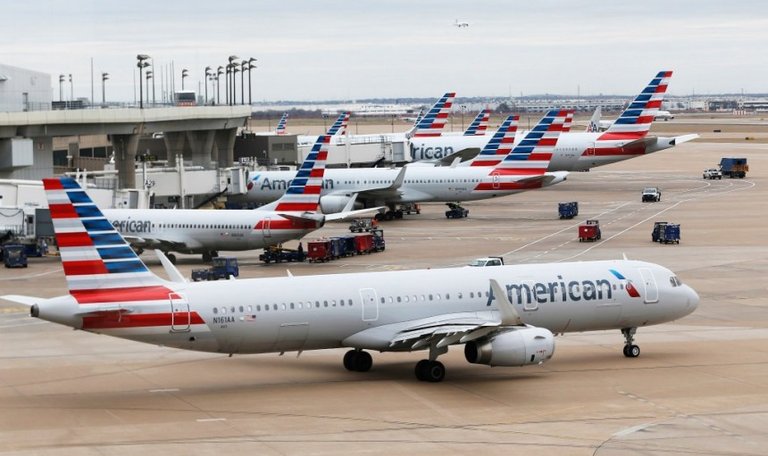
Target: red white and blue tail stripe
<point x="281" y="124"/>
<point x="534" y="152"/>
<point x="433" y="121"/>
<point x="303" y="195"/>
<point x="99" y="265"/>
<point x="636" y="120"/>
<point x="480" y="124"/>
<point x="500" y="144"/>
<point x="568" y="122"/>
<point x="339" y="127"/>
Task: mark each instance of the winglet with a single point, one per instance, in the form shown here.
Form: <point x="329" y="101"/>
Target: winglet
<point x="509" y="315"/>
<point x="173" y="273"/>
<point x="398" y="182"/>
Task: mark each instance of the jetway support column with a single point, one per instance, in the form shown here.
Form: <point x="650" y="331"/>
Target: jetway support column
<point x="201" y="143"/>
<point x="125" y="159"/>
<point x="225" y="147"/>
<point x="174" y="144"/>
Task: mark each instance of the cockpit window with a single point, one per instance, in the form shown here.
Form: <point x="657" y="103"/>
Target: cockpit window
<point x="675" y="281"/>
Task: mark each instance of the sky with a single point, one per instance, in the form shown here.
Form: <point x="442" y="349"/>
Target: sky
<point x="322" y="50"/>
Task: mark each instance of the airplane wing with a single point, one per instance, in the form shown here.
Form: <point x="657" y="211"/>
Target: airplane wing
<point x="167" y="243"/>
<point x="343" y="215"/>
<point x="441" y="330"/>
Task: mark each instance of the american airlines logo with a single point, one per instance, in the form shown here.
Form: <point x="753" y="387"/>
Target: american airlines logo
<point x="132" y="226"/>
<point x="527" y="293"/>
<point x="430" y="153"/>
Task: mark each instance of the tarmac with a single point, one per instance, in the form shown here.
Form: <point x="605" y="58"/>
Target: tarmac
<point x="700" y="385"/>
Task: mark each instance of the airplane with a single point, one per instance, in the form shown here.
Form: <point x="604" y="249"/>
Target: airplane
<point x="503" y="315"/>
<point x="339" y="128"/>
<point x="462" y="24"/>
<point x="207" y="231"/>
<point x="432" y="123"/>
<point x="626" y="138"/>
<point x="280" y="130"/>
<point x="524" y="168"/>
<point x="604" y="124"/>
<point x="663" y="115"/>
<point x="480" y="124"/>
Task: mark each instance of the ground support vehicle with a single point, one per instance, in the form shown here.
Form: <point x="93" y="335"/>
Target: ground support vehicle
<point x="221" y="268"/>
<point x="409" y="208"/>
<point x="455" y="211"/>
<point x="14" y="256"/>
<point x="346" y="245"/>
<point x="378" y="240"/>
<point x="319" y="251"/>
<point x="734" y="167"/>
<point x="487" y="261"/>
<point x="364" y="243"/>
<point x="590" y="231"/>
<point x="278" y="254"/>
<point x="712" y="173"/>
<point x="360" y="225"/>
<point x="666" y="233"/>
<point x="651" y="194"/>
<point x="568" y="210"/>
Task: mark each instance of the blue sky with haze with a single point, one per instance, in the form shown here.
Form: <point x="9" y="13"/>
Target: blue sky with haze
<point x="313" y="50"/>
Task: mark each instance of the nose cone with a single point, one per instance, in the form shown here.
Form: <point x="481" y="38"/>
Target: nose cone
<point x="693" y="299"/>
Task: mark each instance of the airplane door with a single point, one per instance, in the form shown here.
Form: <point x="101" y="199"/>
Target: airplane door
<point x="370" y="304"/>
<point x="649" y="284"/>
<point x="496" y="180"/>
<point x="266" y="230"/>
<point x="180" y="315"/>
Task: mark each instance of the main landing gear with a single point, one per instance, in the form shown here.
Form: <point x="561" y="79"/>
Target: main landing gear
<point x="427" y="370"/>
<point x="630" y="349"/>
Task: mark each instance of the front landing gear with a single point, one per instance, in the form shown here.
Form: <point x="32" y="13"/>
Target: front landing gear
<point x="358" y="361"/>
<point x="630" y="349"/>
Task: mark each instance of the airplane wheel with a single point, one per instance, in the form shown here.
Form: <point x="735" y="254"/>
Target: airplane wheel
<point x="631" y="351"/>
<point x="206" y="257"/>
<point x="172" y="258"/>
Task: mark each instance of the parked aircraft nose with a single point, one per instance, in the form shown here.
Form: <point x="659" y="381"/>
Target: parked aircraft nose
<point x="693" y="299"/>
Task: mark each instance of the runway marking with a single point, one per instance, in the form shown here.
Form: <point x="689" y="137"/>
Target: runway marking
<point x="632" y="430"/>
<point x="164" y="390"/>
<point x="31" y="276"/>
<point x="209" y="420"/>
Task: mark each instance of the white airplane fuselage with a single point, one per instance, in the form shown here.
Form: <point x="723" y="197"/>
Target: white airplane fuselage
<point x="364" y="310"/>
<point x="198" y="231"/>
<point x="421" y="184"/>
<point x="575" y="151"/>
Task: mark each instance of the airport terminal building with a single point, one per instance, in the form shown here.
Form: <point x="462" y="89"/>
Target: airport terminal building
<point x="24" y="90"/>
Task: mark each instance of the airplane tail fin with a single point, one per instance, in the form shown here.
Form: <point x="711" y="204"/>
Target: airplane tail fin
<point x="303" y="195"/>
<point x="500" y="144"/>
<point x="568" y="122"/>
<point x="280" y="130"/>
<point x="636" y="120"/>
<point x="594" y="121"/>
<point x="480" y="124"/>
<point x="339" y="127"/>
<point x="534" y="152"/>
<point x="434" y="120"/>
<point x="99" y="265"/>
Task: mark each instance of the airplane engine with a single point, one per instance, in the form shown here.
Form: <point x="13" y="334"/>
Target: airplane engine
<point x="332" y="204"/>
<point x="516" y="347"/>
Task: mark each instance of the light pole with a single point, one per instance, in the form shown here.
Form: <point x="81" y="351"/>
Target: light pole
<point x="61" y="85"/>
<point x="184" y="74"/>
<point x="148" y="75"/>
<point x="207" y="79"/>
<point x="219" y="74"/>
<point x="142" y="63"/>
<point x="251" y="66"/>
<point x="226" y="81"/>
<point x="232" y="66"/>
<point x="243" y="67"/>
<point x="104" y="77"/>
<point x="235" y="70"/>
<point x="71" y="89"/>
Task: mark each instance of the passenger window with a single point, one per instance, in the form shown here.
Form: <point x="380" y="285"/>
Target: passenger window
<point x="383" y="300"/>
<point x="333" y="303"/>
<point x="471" y="294"/>
<point x="399" y="299"/>
<point x="250" y="308"/>
<point x="430" y="297"/>
<point x="258" y="308"/>
<point x="292" y="306"/>
<point x="274" y="306"/>
<point x="242" y="309"/>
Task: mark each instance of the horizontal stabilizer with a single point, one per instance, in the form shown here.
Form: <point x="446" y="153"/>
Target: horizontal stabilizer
<point x="368" y="211"/>
<point x="25" y="300"/>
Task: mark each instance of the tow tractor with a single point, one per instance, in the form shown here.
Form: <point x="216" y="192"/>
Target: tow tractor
<point x="455" y="211"/>
<point x="590" y="231"/>
<point x="222" y="268"/>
